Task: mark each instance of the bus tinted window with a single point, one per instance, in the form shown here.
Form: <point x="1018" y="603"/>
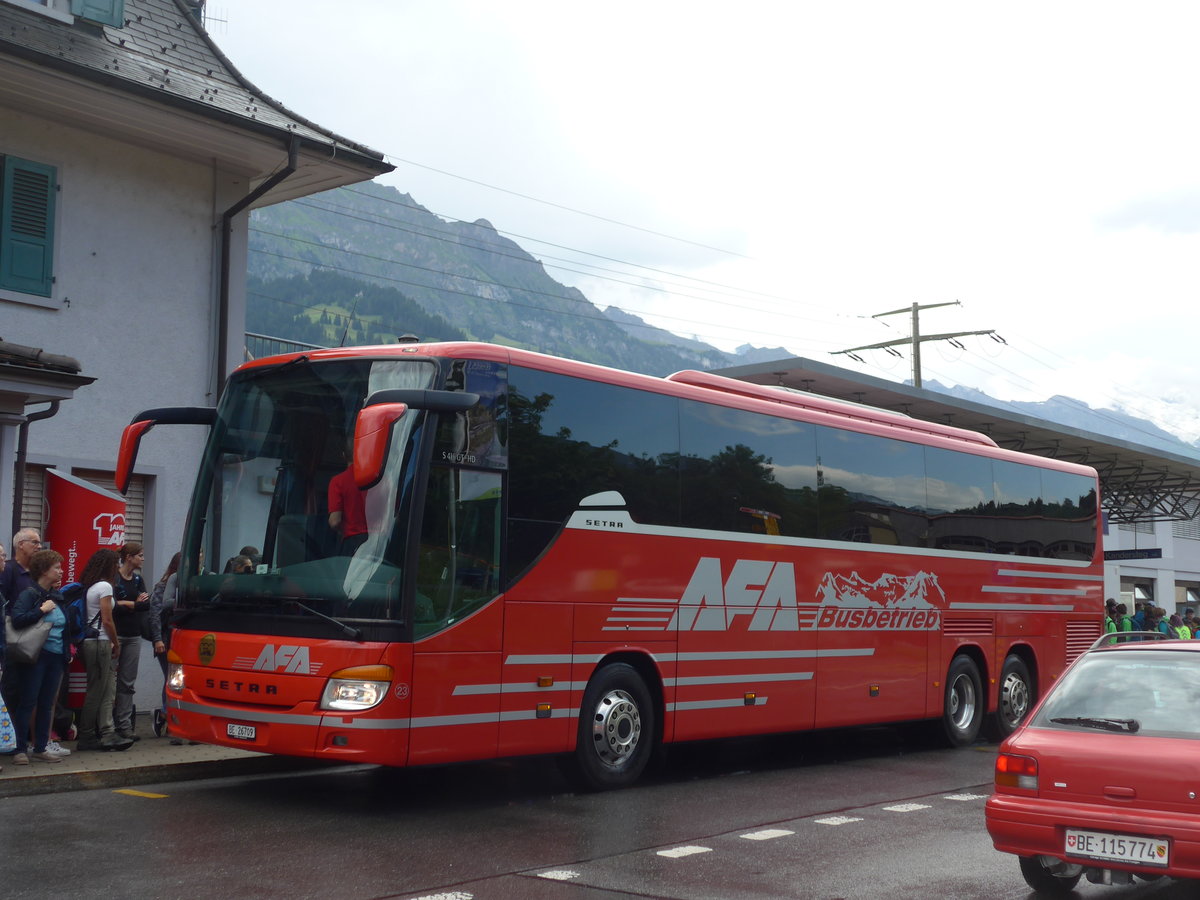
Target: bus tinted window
<point x="747" y="472"/>
<point x="570" y="438"/>
<point x="962" y="501"/>
<point x="872" y="489"/>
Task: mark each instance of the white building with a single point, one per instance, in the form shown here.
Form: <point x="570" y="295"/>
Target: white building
<point x="131" y="152"/>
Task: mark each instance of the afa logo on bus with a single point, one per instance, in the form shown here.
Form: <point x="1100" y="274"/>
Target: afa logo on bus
<point x="761" y="595"/>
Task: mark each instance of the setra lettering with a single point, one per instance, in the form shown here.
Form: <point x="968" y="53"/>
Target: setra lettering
<point x="240" y="687"/>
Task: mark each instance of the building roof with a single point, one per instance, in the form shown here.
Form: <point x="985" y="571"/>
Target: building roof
<point x="162" y="82"/>
<point x="31" y="375"/>
<point x="1137" y="483"/>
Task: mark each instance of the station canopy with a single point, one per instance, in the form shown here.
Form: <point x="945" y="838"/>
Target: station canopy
<point x="1137" y="483"/>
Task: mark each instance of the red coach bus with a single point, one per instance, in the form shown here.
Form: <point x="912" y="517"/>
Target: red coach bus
<point x="562" y="558"/>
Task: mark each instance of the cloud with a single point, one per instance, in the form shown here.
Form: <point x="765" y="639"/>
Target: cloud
<point x="1175" y="213"/>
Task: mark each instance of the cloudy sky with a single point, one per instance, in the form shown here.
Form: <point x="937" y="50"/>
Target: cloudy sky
<point x="778" y="173"/>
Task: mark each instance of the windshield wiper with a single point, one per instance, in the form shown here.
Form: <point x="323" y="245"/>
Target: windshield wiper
<point x="219" y="603"/>
<point x="349" y="631"/>
<point x="1130" y="725"/>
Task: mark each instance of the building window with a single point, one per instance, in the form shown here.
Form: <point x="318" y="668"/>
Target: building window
<point x="105" y="12"/>
<point x="27" y="192"/>
<point x="55" y="9"/>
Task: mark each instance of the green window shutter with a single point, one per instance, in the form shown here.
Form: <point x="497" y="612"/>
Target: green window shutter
<point x="27" y="227"/>
<point x="106" y="12"/>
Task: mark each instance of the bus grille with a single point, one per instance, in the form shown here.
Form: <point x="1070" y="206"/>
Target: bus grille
<point x="1080" y="636"/>
<point x="959" y="627"/>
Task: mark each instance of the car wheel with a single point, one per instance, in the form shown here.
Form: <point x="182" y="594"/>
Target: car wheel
<point x="617" y="729"/>
<point x="1015" y="698"/>
<point x="962" y="710"/>
<point x="1056" y="878"/>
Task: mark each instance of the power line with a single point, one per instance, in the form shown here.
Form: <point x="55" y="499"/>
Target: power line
<point x="597" y="317"/>
<point x="579" y="212"/>
<point x="502" y="250"/>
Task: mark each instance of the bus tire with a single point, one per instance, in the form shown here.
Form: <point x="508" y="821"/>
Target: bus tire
<point x="964" y="702"/>
<point x="617" y="729"/>
<point x="1014" y="698"/>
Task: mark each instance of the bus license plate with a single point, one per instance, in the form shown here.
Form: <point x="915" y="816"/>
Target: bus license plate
<point x="1118" y="847"/>
<point x="241" y="732"/>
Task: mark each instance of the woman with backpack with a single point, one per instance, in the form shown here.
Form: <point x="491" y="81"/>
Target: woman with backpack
<point x="1179" y="630"/>
<point x="101" y="646"/>
<point x="40" y="679"/>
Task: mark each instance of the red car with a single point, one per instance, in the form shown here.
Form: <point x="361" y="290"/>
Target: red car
<point x="1103" y="778"/>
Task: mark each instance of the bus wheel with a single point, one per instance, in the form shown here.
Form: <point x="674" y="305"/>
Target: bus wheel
<point x="616" y="728"/>
<point x="1015" y="698"/>
<point x="962" y="712"/>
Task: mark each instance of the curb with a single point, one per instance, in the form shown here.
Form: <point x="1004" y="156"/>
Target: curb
<point x="57" y="783"/>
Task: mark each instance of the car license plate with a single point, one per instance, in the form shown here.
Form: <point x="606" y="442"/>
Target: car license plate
<point x="1126" y="848"/>
<point x="241" y="732"/>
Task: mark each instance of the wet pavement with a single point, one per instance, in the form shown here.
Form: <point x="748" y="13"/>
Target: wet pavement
<point x="151" y="759"/>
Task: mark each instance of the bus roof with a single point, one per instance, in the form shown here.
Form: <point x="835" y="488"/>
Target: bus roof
<point x="677" y="383"/>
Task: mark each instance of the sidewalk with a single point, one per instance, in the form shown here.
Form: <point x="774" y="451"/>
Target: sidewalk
<point x="152" y="759"/>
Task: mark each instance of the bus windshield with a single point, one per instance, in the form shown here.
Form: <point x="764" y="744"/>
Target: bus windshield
<point x="266" y="535"/>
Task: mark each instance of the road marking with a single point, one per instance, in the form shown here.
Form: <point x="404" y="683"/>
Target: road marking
<point x="559" y="875"/>
<point x="965" y="797"/>
<point x="133" y="793"/>
<point x="679" y="852"/>
<point x="767" y="834"/>
<point x="453" y="895"/>
<point x="837" y="820"/>
<point x="907" y="807"/>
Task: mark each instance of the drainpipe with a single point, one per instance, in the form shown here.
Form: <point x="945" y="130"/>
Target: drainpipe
<point x="19" y="465"/>
<point x="227" y="240"/>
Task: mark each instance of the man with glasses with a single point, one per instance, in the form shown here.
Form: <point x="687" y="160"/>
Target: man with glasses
<point x="14" y="579"/>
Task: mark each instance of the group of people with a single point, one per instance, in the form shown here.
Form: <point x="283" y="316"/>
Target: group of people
<point x="1148" y="617"/>
<point x="120" y="613"/>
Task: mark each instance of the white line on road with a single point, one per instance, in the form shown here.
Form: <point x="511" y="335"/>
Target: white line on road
<point x="767" y="834"/>
<point x="559" y="875"/>
<point x="679" y="852"/>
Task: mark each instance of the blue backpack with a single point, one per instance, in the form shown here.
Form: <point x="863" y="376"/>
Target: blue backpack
<point x="79" y="629"/>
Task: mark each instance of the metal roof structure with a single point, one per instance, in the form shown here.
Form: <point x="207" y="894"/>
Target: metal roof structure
<point x="1137" y="483"/>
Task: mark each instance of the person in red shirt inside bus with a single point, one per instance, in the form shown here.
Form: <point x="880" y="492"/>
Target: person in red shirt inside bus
<point x="347" y="509"/>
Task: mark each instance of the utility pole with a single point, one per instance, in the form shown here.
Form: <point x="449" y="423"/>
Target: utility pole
<point x="916" y="338"/>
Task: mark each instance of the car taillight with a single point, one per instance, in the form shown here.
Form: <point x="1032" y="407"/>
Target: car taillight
<point x="1016" y="772"/>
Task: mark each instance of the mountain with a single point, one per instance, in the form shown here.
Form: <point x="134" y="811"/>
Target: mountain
<point x="366" y="264"/>
<point x="1078" y="415"/>
<point x="479" y="283"/>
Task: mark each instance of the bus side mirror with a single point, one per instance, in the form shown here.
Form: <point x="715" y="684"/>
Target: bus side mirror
<point x="372" y="441"/>
<point x="131" y="439"/>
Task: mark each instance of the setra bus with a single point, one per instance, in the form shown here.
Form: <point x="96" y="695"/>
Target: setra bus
<point x="561" y="558"/>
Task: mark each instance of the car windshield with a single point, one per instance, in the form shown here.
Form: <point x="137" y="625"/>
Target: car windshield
<point x="1143" y="692"/>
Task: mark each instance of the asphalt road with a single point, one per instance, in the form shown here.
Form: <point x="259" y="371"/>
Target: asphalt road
<point x="872" y="813"/>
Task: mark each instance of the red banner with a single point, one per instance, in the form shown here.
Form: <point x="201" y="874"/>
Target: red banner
<point x="81" y="519"/>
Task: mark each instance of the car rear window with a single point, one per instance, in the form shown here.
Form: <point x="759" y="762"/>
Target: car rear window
<point x="1159" y="690"/>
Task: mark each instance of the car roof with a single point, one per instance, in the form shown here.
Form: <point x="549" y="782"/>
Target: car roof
<point x="1134" y="641"/>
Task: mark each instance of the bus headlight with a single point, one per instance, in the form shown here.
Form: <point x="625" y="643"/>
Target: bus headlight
<point x="174" y="677"/>
<point x="357" y="688"/>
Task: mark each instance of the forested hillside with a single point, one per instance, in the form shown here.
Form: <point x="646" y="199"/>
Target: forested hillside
<point x="364" y="264"/>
